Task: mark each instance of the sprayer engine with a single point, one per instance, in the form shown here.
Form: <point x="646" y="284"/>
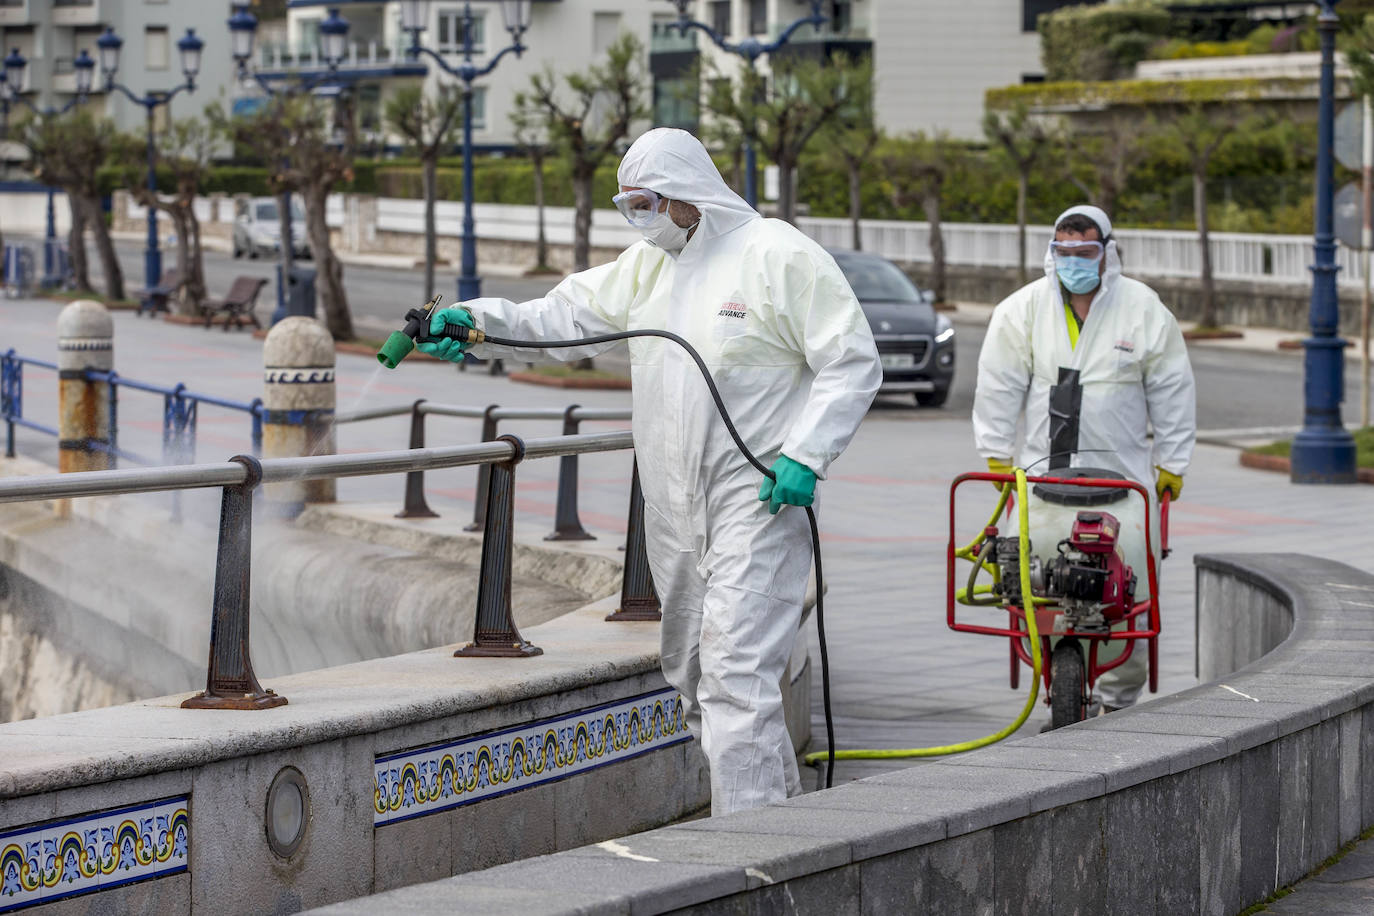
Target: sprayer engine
<point x="1087" y="578"/>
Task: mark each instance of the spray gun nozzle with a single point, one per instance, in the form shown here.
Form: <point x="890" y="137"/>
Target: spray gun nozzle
<point x="417" y="330"/>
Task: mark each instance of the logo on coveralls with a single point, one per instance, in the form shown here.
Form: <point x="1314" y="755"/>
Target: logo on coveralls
<point x="732" y="310"/>
<point x="1125" y="346"/>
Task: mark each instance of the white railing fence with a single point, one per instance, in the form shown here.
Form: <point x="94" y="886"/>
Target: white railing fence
<point x="1145" y="252"/>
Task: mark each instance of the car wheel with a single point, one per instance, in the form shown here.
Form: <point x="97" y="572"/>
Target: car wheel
<point x="252" y="252"/>
<point x="238" y="252"/>
<point x="934" y="398"/>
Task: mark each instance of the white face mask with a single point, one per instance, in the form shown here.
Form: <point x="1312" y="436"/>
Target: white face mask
<point x="662" y="232"/>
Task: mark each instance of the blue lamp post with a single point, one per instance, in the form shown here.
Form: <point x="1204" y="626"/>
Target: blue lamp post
<point x="516" y="17"/>
<point x="751" y="49"/>
<point x="1323" y="451"/>
<point x="11" y="82"/>
<point x="189" y="47"/>
<point x="243" y="29"/>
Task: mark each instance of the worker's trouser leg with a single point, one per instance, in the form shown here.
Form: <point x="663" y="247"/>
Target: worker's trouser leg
<point x="729" y="624"/>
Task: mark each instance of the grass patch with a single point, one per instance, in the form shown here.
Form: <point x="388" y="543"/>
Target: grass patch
<point x="1364" y="447"/>
<point x="71" y="295"/>
<point x="571" y="372"/>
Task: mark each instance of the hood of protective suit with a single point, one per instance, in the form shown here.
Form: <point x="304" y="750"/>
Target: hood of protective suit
<point x="1112" y="273"/>
<point x="673" y="164"/>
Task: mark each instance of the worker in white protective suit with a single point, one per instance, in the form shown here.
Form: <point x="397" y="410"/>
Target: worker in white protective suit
<point x="793" y="356"/>
<point x="1135" y="375"/>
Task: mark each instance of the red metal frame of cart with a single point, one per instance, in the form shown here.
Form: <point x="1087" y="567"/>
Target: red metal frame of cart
<point x="1045" y="615"/>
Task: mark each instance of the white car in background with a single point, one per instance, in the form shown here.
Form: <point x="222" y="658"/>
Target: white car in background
<point x="257" y="230"/>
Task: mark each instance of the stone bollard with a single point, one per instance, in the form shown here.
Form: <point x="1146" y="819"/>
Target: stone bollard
<point x="298" y="407"/>
<point x="85" y="340"/>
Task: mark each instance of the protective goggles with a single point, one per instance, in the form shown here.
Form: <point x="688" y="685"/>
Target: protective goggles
<point x="638" y="206"/>
<point x="1090" y="251"/>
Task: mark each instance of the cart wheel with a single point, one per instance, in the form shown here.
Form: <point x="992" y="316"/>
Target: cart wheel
<point x="1068" y="701"/>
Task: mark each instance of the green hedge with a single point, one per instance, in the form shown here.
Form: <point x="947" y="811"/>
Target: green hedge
<point x="1099" y="42"/>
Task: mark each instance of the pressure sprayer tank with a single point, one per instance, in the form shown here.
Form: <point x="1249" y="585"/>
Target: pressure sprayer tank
<point x="1053" y="507"/>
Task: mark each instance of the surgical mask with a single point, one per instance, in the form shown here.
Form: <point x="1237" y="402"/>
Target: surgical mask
<point x="1075" y="262"/>
<point x="1079" y="275"/>
<point x="662" y="232"/>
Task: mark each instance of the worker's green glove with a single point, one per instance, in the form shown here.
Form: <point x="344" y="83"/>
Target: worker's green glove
<point x="1167" y="481"/>
<point x="793" y="484"/>
<point x="447" y="348"/>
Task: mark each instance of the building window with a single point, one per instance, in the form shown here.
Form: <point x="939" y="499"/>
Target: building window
<point x="841" y="16"/>
<point x="451" y="31"/>
<point x="156" y="50"/>
<point x="675" y="103"/>
<point x="758" y="17"/>
<point x="605" y="30"/>
<point x="720" y="17"/>
<point x="479" y="107"/>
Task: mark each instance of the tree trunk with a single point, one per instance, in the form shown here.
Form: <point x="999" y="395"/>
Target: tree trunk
<point x="1209" y="300"/>
<point x="428" y="172"/>
<point x="930" y="203"/>
<point x="195" y="276"/>
<point x="76" y="244"/>
<point x="582" y="218"/>
<point x="109" y="261"/>
<point x="1022" y="183"/>
<point x="328" y="271"/>
<point x="181" y="302"/>
<point x="286" y="228"/>
<point x="541" y="242"/>
<point x="856" y="201"/>
<point x="787" y="197"/>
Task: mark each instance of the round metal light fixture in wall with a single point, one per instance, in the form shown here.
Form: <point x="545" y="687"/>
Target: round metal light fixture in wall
<point x="288" y="811"/>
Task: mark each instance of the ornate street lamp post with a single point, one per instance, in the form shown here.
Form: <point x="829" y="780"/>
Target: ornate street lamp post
<point x="11" y="83"/>
<point x="751" y="49"/>
<point x="243" y="29"/>
<point x="1323" y="451"/>
<point x="190" y="47"/>
<point x="515" y="15"/>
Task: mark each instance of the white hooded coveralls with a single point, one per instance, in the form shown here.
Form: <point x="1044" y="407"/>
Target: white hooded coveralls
<point x="1135" y="374"/>
<point x="794" y="359"/>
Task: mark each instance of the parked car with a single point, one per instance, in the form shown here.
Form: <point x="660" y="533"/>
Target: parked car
<point x="257" y="230"/>
<point x="915" y="342"/>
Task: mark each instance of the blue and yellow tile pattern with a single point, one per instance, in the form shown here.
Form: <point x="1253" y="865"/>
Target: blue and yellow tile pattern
<point x="92" y="853"/>
<point x="419" y="782"/>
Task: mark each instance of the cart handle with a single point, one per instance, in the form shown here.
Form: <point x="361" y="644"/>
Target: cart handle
<point x="1165" y="499"/>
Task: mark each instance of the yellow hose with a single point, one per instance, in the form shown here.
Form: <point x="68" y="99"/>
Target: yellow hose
<point x="1033" y="634"/>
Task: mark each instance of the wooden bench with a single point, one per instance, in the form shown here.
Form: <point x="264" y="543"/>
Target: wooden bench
<point x="154" y="299"/>
<point x="238" y="304"/>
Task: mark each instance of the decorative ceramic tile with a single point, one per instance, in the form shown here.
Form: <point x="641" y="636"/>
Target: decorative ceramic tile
<point x="419" y="782"/>
<point x="92" y="853"/>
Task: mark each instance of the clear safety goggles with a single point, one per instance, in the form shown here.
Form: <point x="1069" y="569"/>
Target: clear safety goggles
<point x="638" y="206"/>
<point x="1091" y="251"/>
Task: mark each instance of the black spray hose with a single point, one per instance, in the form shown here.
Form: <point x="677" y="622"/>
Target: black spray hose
<point x="463" y="333"/>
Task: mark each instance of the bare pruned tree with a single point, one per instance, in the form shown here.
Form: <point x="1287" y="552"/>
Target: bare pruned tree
<point x="429" y="125"/>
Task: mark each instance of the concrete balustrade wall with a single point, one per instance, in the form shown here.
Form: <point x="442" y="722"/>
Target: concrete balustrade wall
<point x="1205" y="801"/>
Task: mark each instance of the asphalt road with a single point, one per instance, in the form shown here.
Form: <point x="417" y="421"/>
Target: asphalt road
<point x="1237" y="389"/>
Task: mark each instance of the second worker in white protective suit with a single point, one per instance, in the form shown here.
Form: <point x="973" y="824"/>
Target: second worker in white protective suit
<point x="793" y="356"/>
<point x="1083" y="314"/>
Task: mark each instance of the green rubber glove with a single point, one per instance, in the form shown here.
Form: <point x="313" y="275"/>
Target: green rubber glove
<point x="795" y="485"/>
<point x="999" y="466"/>
<point x="448" y="348"/>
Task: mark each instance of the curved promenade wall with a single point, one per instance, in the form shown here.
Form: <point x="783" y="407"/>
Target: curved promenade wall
<point x="1205" y="801"/>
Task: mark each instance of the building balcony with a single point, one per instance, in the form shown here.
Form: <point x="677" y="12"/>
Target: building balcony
<point x="15" y="12"/>
<point x="364" y="58"/>
<point x="76" y="12"/>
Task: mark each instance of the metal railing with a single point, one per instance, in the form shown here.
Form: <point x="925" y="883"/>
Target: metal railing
<point x="12" y="396"/>
<point x="230" y="681"/>
<point x="180" y="409"/>
<point x="567" y="524"/>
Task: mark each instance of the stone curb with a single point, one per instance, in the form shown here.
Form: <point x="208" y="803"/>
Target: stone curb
<point x="605" y="384"/>
<point x="1281" y="464"/>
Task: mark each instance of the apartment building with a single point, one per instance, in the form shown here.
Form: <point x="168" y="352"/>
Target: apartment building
<point x="51" y="33"/>
<point x="565" y="35"/>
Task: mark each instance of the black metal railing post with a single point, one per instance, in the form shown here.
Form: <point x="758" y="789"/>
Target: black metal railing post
<point x="494" y="633"/>
<point x="415" y="505"/>
<point x="638" y="597"/>
<point x="230" y="682"/>
<point x="566" y="525"/>
<point x="479" y="502"/>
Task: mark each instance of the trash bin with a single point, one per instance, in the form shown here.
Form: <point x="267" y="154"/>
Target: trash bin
<point x="300" y="296"/>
